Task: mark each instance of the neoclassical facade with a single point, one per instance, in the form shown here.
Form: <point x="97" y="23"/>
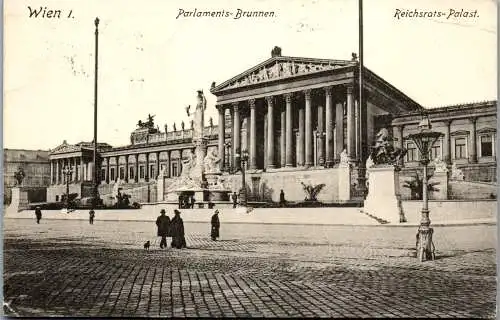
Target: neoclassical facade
<point x="294" y="116"/>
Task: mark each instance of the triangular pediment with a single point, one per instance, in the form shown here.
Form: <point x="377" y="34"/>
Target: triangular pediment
<point x="279" y="67"/>
<point x="65" y="148"/>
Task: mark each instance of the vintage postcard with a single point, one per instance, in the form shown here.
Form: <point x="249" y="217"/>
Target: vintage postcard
<point x="209" y="159"/>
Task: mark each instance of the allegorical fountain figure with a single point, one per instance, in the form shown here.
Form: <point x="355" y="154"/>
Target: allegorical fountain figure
<point x="199" y="170"/>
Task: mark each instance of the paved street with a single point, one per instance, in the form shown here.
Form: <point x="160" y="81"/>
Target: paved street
<point x="72" y="268"/>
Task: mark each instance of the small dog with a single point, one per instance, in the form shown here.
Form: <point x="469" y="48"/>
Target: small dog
<point x="147" y="245"/>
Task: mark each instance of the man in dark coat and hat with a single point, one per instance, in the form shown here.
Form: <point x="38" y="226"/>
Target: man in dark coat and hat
<point x="38" y="214"/>
<point x="177" y="231"/>
<point x="163" y="224"/>
<point x="214" y="234"/>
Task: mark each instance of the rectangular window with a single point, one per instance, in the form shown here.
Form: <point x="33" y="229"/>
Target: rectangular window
<point x="174" y="169"/>
<point x="152" y="171"/>
<point x="460" y="148"/>
<point x="103" y="174"/>
<point x="122" y="173"/>
<point x="486" y="146"/>
<point x="141" y="172"/>
<point x="131" y="173"/>
<point x="112" y="174"/>
<point x="435" y="151"/>
<point x="411" y="154"/>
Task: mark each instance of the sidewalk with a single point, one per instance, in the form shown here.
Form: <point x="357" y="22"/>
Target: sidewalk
<point x="294" y="216"/>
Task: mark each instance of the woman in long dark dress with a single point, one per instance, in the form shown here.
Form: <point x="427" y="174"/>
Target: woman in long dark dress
<point x="214" y="233"/>
<point x="177" y="231"/>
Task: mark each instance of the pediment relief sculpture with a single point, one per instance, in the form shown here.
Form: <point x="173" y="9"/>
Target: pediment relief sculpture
<point x="280" y="70"/>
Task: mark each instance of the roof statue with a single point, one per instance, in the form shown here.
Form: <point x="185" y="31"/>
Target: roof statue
<point x="276" y="52"/>
<point x="187" y="110"/>
<point x="211" y="122"/>
<point x="175" y="128"/>
<point x="383" y="152"/>
<point x="192" y="124"/>
<point x="148" y="124"/>
<point x="182" y="125"/>
<point x="354" y="56"/>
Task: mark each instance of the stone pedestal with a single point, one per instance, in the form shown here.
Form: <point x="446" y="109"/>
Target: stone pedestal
<point x="199" y="196"/>
<point x="442" y="178"/>
<point x="19" y="200"/>
<point x="344" y="181"/>
<point x="383" y="193"/>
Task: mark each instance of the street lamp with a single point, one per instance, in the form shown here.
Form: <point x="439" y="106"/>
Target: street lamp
<point x="67" y="171"/>
<point x="244" y="159"/>
<point x="227" y="156"/>
<point x="424" y="140"/>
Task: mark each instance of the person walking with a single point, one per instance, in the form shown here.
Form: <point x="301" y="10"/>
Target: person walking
<point x="235" y="199"/>
<point x="163" y="225"/>
<point x="177" y="231"/>
<point x="38" y="214"/>
<point x="91" y="216"/>
<point x="214" y="234"/>
<point x="282" y="198"/>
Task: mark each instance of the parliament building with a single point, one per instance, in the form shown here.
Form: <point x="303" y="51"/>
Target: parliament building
<point x="294" y="116"/>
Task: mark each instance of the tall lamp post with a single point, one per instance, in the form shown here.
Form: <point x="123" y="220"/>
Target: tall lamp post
<point x="244" y="159"/>
<point x="95" y="195"/>
<point x="424" y="140"/>
<point x="67" y="171"/>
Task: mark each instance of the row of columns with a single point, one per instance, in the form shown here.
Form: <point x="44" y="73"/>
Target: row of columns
<point x="79" y="170"/>
<point x="305" y="131"/>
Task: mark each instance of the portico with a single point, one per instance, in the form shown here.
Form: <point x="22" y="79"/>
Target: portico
<point x="291" y="112"/>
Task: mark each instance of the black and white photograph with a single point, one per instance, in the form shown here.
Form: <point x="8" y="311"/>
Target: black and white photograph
<point x="249" y="159"/>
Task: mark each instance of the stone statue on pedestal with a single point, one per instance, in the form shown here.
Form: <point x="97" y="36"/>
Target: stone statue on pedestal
<point x="456" y="174"/>
<point x="383" y="152"/>
<point x="439" y="165"/>
<point x="344" y="159"/>
<point x="19" y="175"/>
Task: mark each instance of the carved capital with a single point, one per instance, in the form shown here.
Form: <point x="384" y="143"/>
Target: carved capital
<point x="251" y="103"/>
<point x="307" y="94"/>
<point x="328" y="91"/>
<point x="235" y="106"/>
<point x="473" y="120"/>
<point x="288" y="97"/>
<point x="350" y="89"/>
<point x="270" y="100"/>
<point x="448" y="122"/>
<point x="221" y="108"/>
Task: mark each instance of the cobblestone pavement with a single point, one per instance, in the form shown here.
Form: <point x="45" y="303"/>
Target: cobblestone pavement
<point x="69" y="268"/>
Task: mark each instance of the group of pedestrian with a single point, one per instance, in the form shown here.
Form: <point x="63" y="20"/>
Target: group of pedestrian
<point x="171" y="228"/>
<point x="186" y="202"/>
<point x="174" y="228"/>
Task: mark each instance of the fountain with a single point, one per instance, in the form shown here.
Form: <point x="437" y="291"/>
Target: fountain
<point x="200" y="176"/>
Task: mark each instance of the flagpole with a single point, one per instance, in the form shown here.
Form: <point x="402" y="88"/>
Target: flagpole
<point x="95" y="182"/>
<point x="361" y="124"/>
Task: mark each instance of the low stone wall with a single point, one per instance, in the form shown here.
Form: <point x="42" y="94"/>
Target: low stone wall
<point x="299" y="216"/>
<point x="451" y="210"/>
<point x="266" y="186"/>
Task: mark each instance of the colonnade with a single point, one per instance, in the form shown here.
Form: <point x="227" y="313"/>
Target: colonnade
<point x="80" y="170"/>
<point x="312" y="114"/>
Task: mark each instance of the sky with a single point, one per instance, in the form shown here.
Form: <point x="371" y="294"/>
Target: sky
<point x="151" y="62"/>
